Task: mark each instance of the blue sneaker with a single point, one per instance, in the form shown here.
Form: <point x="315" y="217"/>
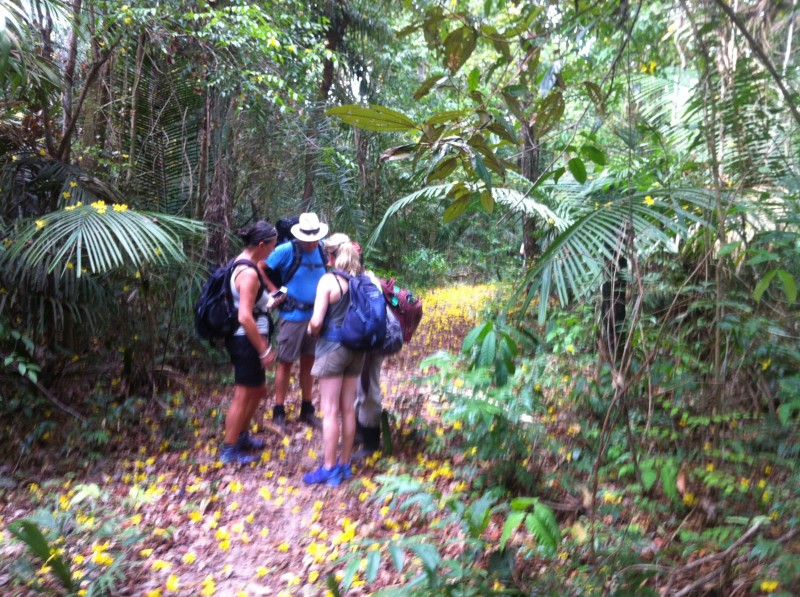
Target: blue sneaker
<point x="248" y="442"/>
<point x="329" y="476"/>
<point x="345" y="470"/>
<point x="233" y="455"/>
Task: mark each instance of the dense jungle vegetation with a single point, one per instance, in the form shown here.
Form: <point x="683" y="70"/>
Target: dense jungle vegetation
<point x="599" y="202"/>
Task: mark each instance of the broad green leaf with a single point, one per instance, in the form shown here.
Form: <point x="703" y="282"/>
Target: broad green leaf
<point x="333" y="586"/>
<point x="448" y="116"/>
<point x="515" y="90"/>
<point x="427" y="85"/>
<point x="427" y="553"/>
<point x="649" y="478"/>
<point x="488" y="350"/>
<point x="455" y="209"/>
<point x="596" y="95"/>
<point x="558" y="173"/>
<point x="669" y="477"/>
<point x="578" y="170"/>
<point x="373" y="565"/>
<point x="397" y="555"/>
<point x="443" y="169"/>
<point x="594" y="154"/>
<point x="27" y="532"/>
<point x="350" y="572"/>
<point x="487" y="201"/>
<point x="400" y="152"/>
<point x="514" y="107"/>
<point x="514" y="519"/>
<point x="729" y="248"/>
<point x="374" y="118"/>
<point x="458" y="47"/>
<point x="480" y="169"/>
<point x="474" y="79"/>
<point x="789" y="286"/>
<point x="475" y="335"/>
<point x="762" y="285"/>
<point x="549" y="113"/>
<point x="523" y="503"/>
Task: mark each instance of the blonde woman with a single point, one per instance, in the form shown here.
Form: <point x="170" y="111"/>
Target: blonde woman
<point x="338" y="368"/>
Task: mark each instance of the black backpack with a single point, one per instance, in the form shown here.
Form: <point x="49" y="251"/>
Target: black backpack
<point x="284" y="228"/>
<point x="214" y="313"/>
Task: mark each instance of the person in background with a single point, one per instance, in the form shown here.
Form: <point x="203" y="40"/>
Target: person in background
<point x="249" y="347"/>
<point x="294" y="343"/>
<point x="337" y="367"/>
<point x="368" y="394"/>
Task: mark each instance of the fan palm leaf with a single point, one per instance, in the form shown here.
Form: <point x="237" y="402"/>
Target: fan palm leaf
<point x="100" y="238"/>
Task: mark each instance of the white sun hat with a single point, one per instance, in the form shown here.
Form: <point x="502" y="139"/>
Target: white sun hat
<point x="309" y="228"/>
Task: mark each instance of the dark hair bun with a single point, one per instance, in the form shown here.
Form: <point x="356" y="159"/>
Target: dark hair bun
<point x="259" y="232"/>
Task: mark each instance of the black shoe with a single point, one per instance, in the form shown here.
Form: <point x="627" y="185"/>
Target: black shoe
<point x="310" y="419"/>
<point x="279" y="419"/>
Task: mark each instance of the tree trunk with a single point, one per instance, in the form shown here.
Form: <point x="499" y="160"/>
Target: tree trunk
<point x="530" y="170"/>
<point x="334" y="36"/>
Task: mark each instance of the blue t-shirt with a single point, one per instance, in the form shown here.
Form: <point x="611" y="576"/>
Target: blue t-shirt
<point x="303" y="285"/>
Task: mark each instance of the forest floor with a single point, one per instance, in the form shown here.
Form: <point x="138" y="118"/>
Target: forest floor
<point x="162" y="509"/>
<point x="153" y="513"/>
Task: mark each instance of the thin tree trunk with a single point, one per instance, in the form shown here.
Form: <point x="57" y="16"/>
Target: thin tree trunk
<point x="69" y="82"/>
<point x="333" y="38"/>
<point x="531" y="171"/>
<point x="137" y="79"/>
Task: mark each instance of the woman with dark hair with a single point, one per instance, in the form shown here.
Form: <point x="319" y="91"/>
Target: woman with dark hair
<point x="336" y="366"/>
<point x="249" y="347"/>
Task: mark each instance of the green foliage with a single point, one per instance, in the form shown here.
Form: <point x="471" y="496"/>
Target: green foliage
<point x="52" y="535"/>
<point x="441" y="573"/>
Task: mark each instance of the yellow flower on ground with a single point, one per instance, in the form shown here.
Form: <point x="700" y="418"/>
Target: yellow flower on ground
<point x="261" y="571"/>
<point x="195" y="516"/>
<point x="649" y="200"/>
<point x="41" y="224"/>
<point x="161" y="565"/>
<point x="769" y="586"/>
<point x="235" y="486"/>
<point x="284" y="547"/>
<point x="189" y="557"/>
<point x="173" y="584"/>
<point x="154" y="593"/>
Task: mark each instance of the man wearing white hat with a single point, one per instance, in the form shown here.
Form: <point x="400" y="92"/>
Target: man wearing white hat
<point x="301" y="289"/>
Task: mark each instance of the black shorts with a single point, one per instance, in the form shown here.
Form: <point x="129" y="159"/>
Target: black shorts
<point x="247" y="370"/>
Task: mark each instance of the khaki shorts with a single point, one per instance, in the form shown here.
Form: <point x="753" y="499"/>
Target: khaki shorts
<point x="294" y="341"/>
<point x="340" y="362"/>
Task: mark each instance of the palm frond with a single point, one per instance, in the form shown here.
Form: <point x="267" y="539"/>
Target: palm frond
<point x="513" y="199"/>
<point x="100" y="238"/>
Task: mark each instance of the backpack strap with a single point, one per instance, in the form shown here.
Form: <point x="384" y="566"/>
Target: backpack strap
<point x="297" y="258"/>
<point x="248" y="263"/>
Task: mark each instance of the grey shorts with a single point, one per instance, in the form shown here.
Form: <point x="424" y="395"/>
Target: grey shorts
<point x="340" y="362"/>
<point x="294" y="341"/>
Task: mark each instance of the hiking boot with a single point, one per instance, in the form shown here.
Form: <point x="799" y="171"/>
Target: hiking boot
<point x="248" y="442"/>
<point x="345" y="470"/>
<point x="329" y="476"/>
<point x="279" y="419"/>
<point x="309" y="417"/>
<point x="233" y="455"/>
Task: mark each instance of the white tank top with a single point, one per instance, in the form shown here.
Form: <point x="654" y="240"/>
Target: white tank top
<point x="260" y="308"/>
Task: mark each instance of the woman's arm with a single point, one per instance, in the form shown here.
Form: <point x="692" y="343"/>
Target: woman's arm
<point x="321" y="304"/>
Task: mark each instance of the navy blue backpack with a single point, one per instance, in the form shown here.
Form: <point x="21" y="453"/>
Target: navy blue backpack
<point x="364" y="325"/>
